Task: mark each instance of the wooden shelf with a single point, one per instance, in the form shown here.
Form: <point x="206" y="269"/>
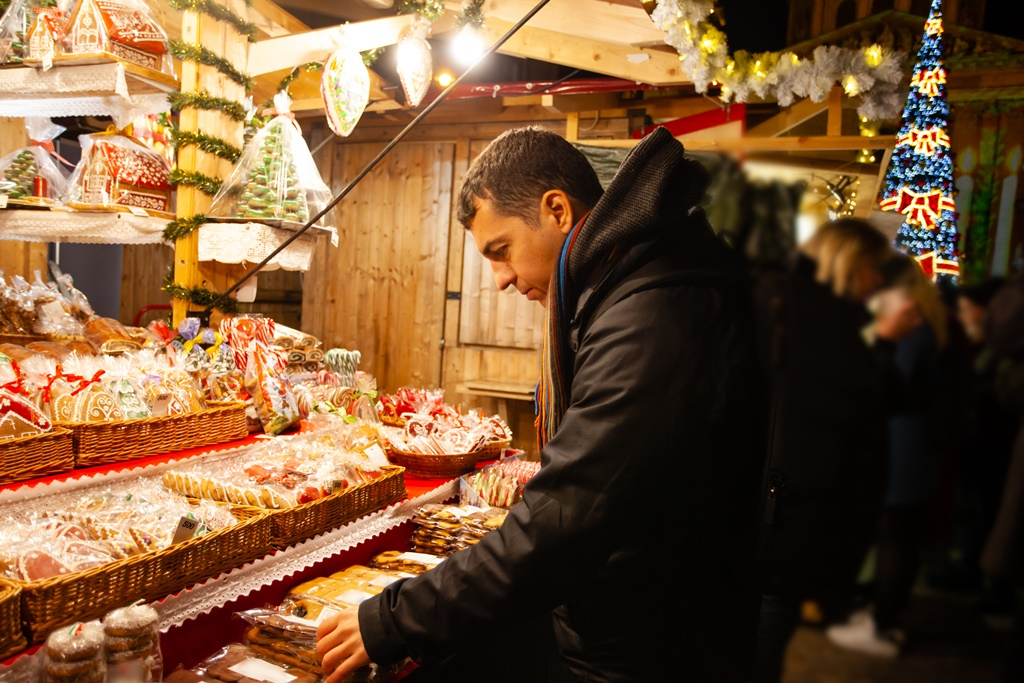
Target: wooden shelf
<point x="514" y="391"/>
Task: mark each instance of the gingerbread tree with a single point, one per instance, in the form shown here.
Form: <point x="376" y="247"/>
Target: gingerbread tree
<point x="21" y="171"/>
<point x="272" y="188"/>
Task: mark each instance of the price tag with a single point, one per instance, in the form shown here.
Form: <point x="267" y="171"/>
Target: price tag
<point x="160" y="404"/>
<point x="3" y="201"/>
<point x="259" y="670"/>
<point x="186" y="529"/>
<point x="422" y="558"/>
<point x="377" y="456"/>
<point x="47" y="61"/>
<point x="138" y="211"/>
<point x="384" y="580"/>
<point x="353" y="597"/>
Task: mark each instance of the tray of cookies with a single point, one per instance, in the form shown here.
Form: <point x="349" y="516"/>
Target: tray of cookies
<point x="79" y="554"/>
<point x="310" y="483"/>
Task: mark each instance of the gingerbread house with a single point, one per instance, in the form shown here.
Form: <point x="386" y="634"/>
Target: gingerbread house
<point x="125" y="30"/>
<point x="45" y="34"/>
<point x="117" y="172"/>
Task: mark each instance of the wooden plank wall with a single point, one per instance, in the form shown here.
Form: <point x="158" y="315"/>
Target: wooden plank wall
<point x="382" y="290"/>
<point x="18" y="257"/>
<point x="143" y="269"/>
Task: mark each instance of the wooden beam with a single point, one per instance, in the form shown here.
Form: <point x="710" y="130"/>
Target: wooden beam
<point x="661" y="66"/>
<point x="780" y="144"/>
<point x="287" y="51"/>
<point x="572" y="127"/>
<point x="788" y="118"/>
<point x="835" y="111"/>
<point x="274" y="21"/>
<point x="565" y="104"/>
<point x="865" y="171"/>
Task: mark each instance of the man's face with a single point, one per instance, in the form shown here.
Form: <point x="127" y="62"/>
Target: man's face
<point x="522" y="255"/>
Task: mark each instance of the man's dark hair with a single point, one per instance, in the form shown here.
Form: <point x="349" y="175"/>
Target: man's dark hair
<point x="518" y="167"/>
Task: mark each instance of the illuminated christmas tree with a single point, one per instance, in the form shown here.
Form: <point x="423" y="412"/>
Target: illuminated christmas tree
<point x="919" y="183"/>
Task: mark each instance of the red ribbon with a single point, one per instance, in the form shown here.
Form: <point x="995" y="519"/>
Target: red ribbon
<point x="86" y="382"/>
<point x="48" y="146"/>
<point x="18" y="385"/>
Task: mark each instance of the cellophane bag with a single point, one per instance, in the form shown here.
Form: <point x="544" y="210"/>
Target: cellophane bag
<point x="118" y="172"/>
<point x="128" y="30"/>
<point x="20" y="168"/>
<point x="15" y="22"/>
<point x="276" y="178"/>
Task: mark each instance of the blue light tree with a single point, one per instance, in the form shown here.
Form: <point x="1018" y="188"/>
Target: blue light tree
<point x="919" y="182"/>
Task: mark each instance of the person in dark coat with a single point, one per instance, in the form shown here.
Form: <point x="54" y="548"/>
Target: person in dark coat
<point x="639" y="531"/>
<point x="832" y="378"/>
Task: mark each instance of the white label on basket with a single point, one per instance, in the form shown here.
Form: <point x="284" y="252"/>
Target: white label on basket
<point x="260" y="670"/>
<point x="377" y="456"/>
<point x="385" y="580"/>
<point x="3" y="201"/>
<point x="139" y="211"/>
<point x="352" y="597"/>
<point x="463" y="511"/>
<point x="422" y="558"/>
<point x="186" y="529"/>
<point x="160" y="404"/>
<point x="47" y="61"/>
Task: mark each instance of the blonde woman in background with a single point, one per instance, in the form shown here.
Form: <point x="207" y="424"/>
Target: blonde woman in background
<point x="921" y="439"/>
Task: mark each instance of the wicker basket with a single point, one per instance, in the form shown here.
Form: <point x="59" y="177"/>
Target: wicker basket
<point x="392" y="421"/>
<point x="21" y="339"/>
<point x="434" y="466"/>
<point x="103" y="443"/>
<point x="36" y="456"/>
<point x="12" y="640"/>
<point x="493" y="449"/>
<point x="293" y="525"/>
<point x="48" y="604"/>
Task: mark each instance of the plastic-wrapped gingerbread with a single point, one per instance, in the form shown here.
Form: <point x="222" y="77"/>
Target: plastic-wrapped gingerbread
<point x="31" y="175"/>
<point x="276" y="178"/>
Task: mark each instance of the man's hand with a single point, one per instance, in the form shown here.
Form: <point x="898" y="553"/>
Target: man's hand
<point x="340" y="646"/>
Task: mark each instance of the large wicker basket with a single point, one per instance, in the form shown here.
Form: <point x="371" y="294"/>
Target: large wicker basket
<point x="12" y="640"/>
<point x="48" y="604"/>
<point x="492" y="449"/>
<point x="103" y="443"/>
<point x="36" y="456"/>
<point x="293" y="525"/>
<point x="21" y="339"/>
<point x="434" y="466"/>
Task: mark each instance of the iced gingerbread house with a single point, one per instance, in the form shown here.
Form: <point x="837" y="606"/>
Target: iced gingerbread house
<point x="45" y="34"/>
<point x="123" y="29"/>
<point x="117" y="172"/>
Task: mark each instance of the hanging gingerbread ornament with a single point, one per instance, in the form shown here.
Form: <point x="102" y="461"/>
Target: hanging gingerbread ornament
<point x="345" y="88"/>
<point x="415" y="65"/>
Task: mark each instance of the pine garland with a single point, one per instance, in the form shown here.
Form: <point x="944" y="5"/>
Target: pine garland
<point x="207" y="143"/>
<point x="472" y="14"/>
<point x="309" y="67"/>
<point x="200" y="181"/>
<point x="429" y="9"/>
<point x="371" y="55"/>
<point x="218" y="12"/>
<point x="207" y="102"/>
<point x="201" y="296"/>
<point x="183" y="227"/>
<point x="197" y="53"/>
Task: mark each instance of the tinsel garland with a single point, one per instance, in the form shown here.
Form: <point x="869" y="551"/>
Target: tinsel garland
<point x="218" y="12"/>
<point x="207" y="143"/>
<point x="874" y="73"/>
<point x="200" y="181"/>
<point x="207" y="102"/>
<point x="200" y="296"/>
<point x="197" y="53"/>
<point x="183" y="227"/>
<point x="429" y="9"/>
<point x="472" y="14"/>
<point x="370" y="56"/>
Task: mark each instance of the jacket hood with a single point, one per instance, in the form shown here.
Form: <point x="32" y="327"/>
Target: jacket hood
<point x="654" y="191"/>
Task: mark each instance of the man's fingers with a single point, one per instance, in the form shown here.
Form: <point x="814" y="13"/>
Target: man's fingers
<point x="328" y="625"/>
<point x="340" y="662"/>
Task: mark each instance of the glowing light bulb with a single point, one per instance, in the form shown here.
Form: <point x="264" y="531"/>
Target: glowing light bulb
<point x="467" y="46"/>
<point x="444" y="79"/>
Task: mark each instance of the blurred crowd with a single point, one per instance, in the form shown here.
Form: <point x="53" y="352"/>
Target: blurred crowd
<point x="896" y="447"/>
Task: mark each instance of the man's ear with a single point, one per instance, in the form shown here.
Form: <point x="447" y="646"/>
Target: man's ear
<point x="556" y="211"/>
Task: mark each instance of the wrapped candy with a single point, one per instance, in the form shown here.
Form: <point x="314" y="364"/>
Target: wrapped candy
<point x="271" y="390"/>
<point x="53" y="311"/>
<point x="32" y="175"/>
<point x="109" y="336"/>
<point x="276" y="178"/>
<point x="123" y="387"/>
<point x="119" y="173"/>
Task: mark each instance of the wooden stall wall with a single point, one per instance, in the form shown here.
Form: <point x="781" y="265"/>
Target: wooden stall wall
<point x="17" y="257"/>
<point x="382" y="290"/>
<point x="143" y="269"/>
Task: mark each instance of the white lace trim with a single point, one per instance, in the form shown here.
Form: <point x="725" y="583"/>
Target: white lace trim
<point x="79" y="90"/>
<point x="250" y="243"/>
<point x="88" y="227"/>
<point x="176" y="609"/>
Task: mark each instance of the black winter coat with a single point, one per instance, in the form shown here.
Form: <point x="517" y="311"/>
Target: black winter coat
<point x="832" y="394"/>
<point x="639" y="531"/>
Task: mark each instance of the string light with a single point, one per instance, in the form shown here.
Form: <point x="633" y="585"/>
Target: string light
<point x="467" y="46"/>
<point x="444" y="79"/>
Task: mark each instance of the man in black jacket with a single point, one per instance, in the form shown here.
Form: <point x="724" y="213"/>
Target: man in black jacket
<point x="638" y="533"/>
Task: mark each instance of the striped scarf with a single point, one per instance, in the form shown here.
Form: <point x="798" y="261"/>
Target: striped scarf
<point x="552" y="395"/>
